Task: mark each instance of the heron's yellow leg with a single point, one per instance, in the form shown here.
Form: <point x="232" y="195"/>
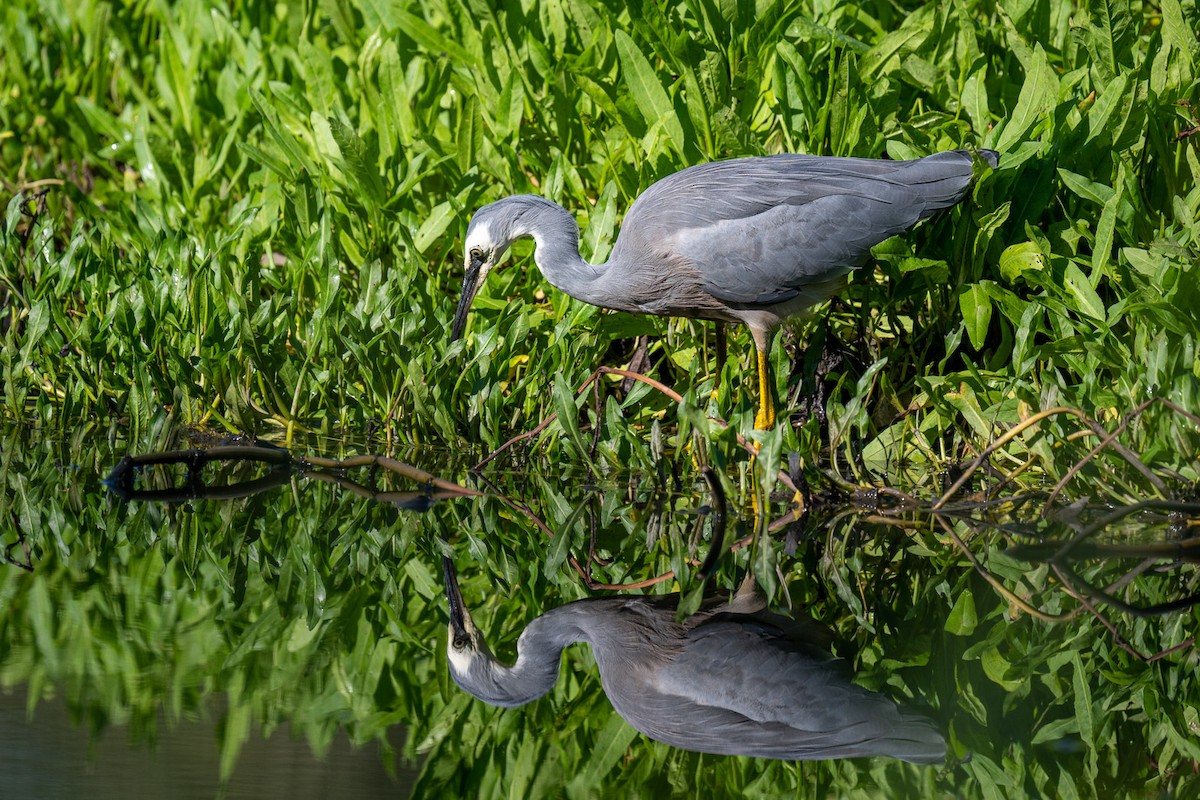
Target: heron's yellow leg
<point x="765" y="419"/>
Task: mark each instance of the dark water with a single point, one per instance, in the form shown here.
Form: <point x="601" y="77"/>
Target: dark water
<point x="316" y="600"/>
<point x="50" y="756"/>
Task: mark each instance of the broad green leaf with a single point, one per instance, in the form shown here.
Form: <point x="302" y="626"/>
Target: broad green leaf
<point x="962" y="619"/>
<point x="433" y="40"/>
<point x="997" y="668"/>
<point x="434" y="226"/>
<point x="976" y="308"/>
<point x="1143" y="261"/>
<point x="363" y="175"/>
<point x="613" y="740"/>
<point x="1056" y="731"/>
<point x="1020" y="258"/>
<point x="1109" y="101"/>
<point x="1085" y="296"/>
<point x="507" y="115"/>
<point x="601" y="223"/>
<point x="35" y="328"/>
<point x="564" y="535"/>
<point x="1034" y="103"/>
<point x="1085" y="188"/>
<point x="568" y="412"/>
<point x="974" y="100"/>
<point x="647" y="92"/>
<point x="1107" y="35"/>
<point x="1177" y="31"/>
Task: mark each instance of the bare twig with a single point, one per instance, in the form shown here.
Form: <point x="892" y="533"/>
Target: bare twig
<point x="999" y="587"/>
<point x="996" y="445"/>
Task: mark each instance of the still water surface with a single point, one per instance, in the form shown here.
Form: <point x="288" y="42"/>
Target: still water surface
<point x="49" y="755"/>
<point x="315" y="611"/>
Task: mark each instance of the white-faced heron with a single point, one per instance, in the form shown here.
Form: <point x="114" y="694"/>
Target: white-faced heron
<point x="732" y="679"/>
<point x="750" y="240"/>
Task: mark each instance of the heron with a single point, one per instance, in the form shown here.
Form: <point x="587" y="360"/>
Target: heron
<point x="749" y="240"/>
<point x="733" y="679"/>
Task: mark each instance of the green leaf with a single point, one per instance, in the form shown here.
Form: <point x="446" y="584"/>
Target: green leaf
<point x="962" y="619"/>
<point x="976" y="308"/>
<point x="1055" y="731"/>
<point x="997" y="668"/>
<point x="568" y="413"/>
<point x="611" y="744"/>
<point x="430" y="38"/>
<point x="1085" y="296"/>
<point x="363" y="175"/>
<point x="1109" y="101"/>
<point x="1106" y="229"/>
<point x="470" y="134"/>
<point x="1107" y="36"/>
<point x="1084" y="710"/>
<point x="1034" y="103"/>
<point x="35" y="328"/>
<point x="974" y="100"/>
<point x="651" y="99"/>
<point x="507" y="115"/>
<point x="434" y="226"/>
<point x="564" y="536"/>
<point x="1087" y="189"/>
<point x="1177" y="31"/>
<point x="1020" y="258"/>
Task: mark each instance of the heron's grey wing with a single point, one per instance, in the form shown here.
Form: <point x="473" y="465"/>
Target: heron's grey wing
<point x="741" y="688"/>
<point x="761" y="230"/>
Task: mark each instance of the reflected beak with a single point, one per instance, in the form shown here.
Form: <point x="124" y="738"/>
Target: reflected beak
<point x="458" y="625"/>
<point x="472" y="279"/>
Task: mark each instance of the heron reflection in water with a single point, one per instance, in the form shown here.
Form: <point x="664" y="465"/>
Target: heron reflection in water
<point x="732" y="679"/>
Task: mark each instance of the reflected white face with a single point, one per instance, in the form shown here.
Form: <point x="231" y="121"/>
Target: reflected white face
<point x="460" y="657"/>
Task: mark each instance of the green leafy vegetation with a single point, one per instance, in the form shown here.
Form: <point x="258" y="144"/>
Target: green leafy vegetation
<point x="249" y="219"/>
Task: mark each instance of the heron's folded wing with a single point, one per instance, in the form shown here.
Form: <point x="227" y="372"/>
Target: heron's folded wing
<point x="761" y="230"/>
<point x="741" y="689"/>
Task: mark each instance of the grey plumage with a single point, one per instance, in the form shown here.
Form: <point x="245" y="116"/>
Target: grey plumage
<point x="732" y="679"/>
<point x="751" y="240"/>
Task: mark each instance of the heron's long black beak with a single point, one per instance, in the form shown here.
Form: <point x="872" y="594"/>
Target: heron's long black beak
<point x="458" y="624"/>
<point x="471" y="284"/>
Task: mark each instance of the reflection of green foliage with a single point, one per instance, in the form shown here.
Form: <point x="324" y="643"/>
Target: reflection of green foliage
<point x="315" y="607"/>
<point x="133" y="608"/>
<point x="258" y="225"/>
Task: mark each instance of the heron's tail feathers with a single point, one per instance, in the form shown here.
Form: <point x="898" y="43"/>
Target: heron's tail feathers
<point x="918" y="740"/>
<point x="943" y="179"/>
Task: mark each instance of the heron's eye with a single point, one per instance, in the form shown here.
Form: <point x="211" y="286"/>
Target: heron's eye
<point x="476" y="254"/>
<point x="460" y="642"/>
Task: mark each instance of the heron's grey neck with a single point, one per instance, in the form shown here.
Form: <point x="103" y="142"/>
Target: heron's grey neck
<point x="539" y="651"/>
<point x="556" y="254"/>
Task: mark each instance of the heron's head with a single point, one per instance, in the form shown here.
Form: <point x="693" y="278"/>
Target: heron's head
<point x="466" y="649"/>
<point x="472" y="665"/>
<point x="464" y="638"/>
<point x="492" y="230"/>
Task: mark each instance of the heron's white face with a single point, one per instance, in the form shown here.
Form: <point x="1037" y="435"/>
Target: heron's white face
<point x="481" y="252"/>
<point x="479" y="238"/>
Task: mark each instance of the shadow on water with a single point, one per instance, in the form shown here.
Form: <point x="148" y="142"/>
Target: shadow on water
<point x="308" y="608"/>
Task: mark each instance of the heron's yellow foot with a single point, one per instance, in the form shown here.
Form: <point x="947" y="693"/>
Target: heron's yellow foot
<point x="764" y="420"/>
